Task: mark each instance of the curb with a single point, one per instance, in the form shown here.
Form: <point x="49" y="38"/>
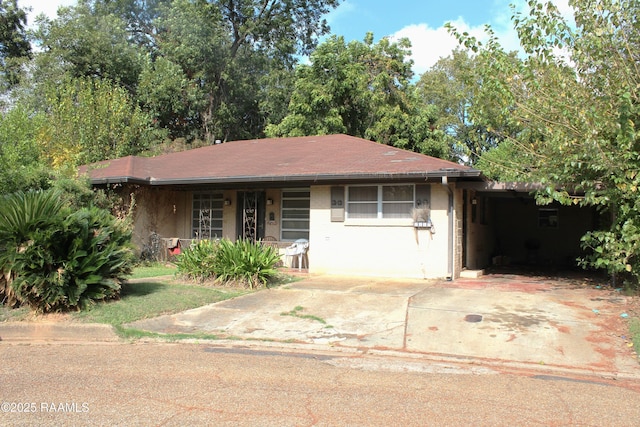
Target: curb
<point x="58" y="332"/>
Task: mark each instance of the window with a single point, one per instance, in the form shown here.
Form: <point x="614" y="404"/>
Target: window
<point x="295" y="214"/>
<point x="206" y="219"/>
<point x="380" y="201"/>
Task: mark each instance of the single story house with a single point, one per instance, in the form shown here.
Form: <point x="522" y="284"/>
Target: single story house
<point x="365" y="208"/>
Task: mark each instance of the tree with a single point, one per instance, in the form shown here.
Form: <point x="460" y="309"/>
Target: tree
<point x="361" y="89"/>
<point x="226" y="51"/>
<point x="82" y="43"/>
<point x="453" y="86"/>
<point x="21" y="161"/>
<point x="14" y="44"/>
<point x="575" y="100"/>
<point x="91" y="120"/>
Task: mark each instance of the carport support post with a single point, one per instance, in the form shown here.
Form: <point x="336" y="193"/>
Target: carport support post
<point x="445" y="182"/>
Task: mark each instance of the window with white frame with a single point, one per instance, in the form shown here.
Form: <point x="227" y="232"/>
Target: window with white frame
<point x="380" y="201"/>
<point x="294" y="213"/>
<point x="206" y="215"/>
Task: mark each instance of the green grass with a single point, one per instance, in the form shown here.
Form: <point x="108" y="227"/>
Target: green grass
<point x="297" y="312"/>
<point x="152" y="270"/>
<point x="634" y="330"/>
<point x="13" y="314"/>
<point x="149" y="299"/>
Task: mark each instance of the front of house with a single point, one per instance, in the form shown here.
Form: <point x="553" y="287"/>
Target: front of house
<point x="364" y="207"/>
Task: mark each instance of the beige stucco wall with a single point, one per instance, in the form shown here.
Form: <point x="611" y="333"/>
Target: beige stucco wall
<point x="378" y="247"/>
<point x="272" y="228"/>
<point x="162" y="211"/>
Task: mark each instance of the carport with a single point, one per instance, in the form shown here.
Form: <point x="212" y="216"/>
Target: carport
<point x="503" y="226"/>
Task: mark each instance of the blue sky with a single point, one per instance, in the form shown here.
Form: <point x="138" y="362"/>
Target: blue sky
<point x="422" y="21"/>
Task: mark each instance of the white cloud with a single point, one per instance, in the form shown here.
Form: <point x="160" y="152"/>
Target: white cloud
<point x="430" y="44"/>
<point x="48" y="7"/>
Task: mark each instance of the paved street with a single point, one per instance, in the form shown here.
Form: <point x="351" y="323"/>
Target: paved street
<point x="164" y="384"/>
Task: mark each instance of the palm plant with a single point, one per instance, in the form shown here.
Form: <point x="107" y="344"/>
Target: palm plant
<point x="55" y="259"/>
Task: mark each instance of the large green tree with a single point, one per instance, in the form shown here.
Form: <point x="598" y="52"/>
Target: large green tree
<point x="453" y="85"/>
<point x="83" y="43"/>
<point x="14" y="44"/>
<point x="208" y="66"/>
<point x="575" y="99"/>
<point x="21" y="161"/>
<point x="90" y="120"/>
<point x="362" y="89"/>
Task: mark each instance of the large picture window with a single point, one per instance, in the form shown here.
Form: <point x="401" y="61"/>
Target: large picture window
<point x="380" y="201"/>
<point x="295" y="214"/>
<point x="206" y="219"/>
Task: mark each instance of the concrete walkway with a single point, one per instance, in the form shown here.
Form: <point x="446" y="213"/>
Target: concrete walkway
<point x="561" y="324"/>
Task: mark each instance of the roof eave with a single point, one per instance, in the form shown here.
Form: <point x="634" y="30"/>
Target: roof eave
<point x="317" y="178"/>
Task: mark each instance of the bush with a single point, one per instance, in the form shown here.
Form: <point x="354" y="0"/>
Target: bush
<point x="247" y="262"/>
<point x="56" y="259"/>
<point x="197" y="261"/>
<point x="243" y="261"/>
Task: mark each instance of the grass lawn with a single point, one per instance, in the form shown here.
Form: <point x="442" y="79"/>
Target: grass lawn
<point x="143" y="300"/>
<point x="140" y="300"/>
<point x="153" y="270"/>
<point x="634" y="330"/>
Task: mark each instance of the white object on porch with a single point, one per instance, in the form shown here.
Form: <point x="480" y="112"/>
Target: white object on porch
<point x="298" y="248"/>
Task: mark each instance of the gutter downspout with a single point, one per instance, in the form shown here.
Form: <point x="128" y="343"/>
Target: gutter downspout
<point x="450" y="247"/>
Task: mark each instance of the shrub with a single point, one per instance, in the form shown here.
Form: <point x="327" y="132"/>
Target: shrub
<point x="247" y="262"/>
<point x="243" y="261"/>
<point x="55" y="259"/>
<point x="197" y="261"/>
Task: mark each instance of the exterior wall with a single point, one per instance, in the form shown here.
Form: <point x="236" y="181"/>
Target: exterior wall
<point x="375" y="247"/>
<point x="392" y="248"/>
<point x="272" y="227"/>
<point x="458" y="262"/>
<point x="161" y="211"/>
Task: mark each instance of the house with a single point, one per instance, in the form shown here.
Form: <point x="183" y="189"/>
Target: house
<point x="365" y="208"/>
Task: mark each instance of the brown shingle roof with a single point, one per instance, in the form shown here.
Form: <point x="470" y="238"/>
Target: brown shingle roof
<point x="326" y="158"/>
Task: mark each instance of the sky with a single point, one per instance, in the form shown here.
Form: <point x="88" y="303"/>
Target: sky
<point x="422" y="21"/>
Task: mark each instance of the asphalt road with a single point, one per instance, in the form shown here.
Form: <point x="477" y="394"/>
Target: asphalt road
<point x="165" y="384"/>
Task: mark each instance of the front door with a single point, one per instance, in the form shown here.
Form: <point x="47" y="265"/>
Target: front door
<point x="250" y="215"/>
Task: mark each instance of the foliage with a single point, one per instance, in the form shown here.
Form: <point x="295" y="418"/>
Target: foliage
<point x="14" y="45"/>
<point x="242" y="261"/>
<point x="56" y="259"/>
<point x="91" y="120"/>
<point x="21" y="165"/>
<point x="199" y="68"/>
<point x="198" y="261"/>
<point x="89" y="44"/>
<point x="573" y="106"/>
<point x="245" y="261"/>
<point x="453" y="87"/>
<point x="361" y="89"/>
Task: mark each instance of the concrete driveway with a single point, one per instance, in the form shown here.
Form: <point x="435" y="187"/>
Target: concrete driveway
<point x="508" y="318"/>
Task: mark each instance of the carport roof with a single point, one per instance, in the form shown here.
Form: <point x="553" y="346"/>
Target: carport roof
<point x="309" y="159"/>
